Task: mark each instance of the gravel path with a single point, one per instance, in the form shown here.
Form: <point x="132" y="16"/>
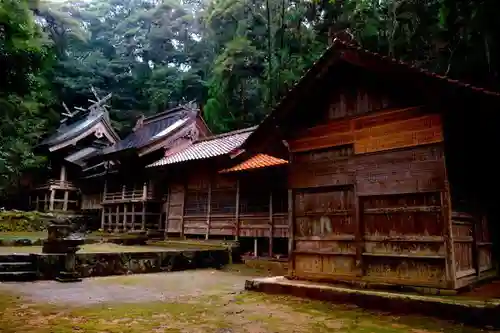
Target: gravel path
<point x="131" y="288"/>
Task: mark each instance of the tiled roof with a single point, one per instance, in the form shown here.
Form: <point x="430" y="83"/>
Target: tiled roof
<point x="151" y="130"/>
<point x="256" y="162"/>
<point x="213" y="146"/>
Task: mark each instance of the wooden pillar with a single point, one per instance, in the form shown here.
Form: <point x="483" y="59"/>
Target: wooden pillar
<point x="62" y="175"/>
<point x="123" y="192"/>
<point x="167" y="210"/>
<point x="271" y="224"/>
<point x="103" y="217"/>
<point x="237" y="212"/>
<point x="358" y="234"/>
<point x="37" y="203"/>
<point x="144" y="191"/>
<point x="46" y="201"/>
<point x="125" y="213"/>
<point x="182" y="209"/>
<point x="143" y="224"/>
<point x="52" y="198"/>
<point x="117" y="217"/>
<point x="133" y="216"/>
<point x="448" y="239"/>
<point x="209" y="208"/>
<point x="291" y="242"/>
<point x="255" y="247"/>
<point x="65" y="203"/>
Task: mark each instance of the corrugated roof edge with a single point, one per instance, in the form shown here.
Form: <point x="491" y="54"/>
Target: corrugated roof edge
<point x="223" y="135"/>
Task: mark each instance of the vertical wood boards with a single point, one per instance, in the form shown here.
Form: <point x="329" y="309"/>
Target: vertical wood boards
<point x="368" y="200"/>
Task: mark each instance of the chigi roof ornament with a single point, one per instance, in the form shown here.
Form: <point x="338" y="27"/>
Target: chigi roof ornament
<point x="98" y="105"/>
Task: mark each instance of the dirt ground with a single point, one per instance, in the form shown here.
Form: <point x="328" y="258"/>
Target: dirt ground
<point x="201" y="301"/>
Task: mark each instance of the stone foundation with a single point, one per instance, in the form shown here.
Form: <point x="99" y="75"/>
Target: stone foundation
<point x="104" y="264"/>
<point x="471" y="312"/>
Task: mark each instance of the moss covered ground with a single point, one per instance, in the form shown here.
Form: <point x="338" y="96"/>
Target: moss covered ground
<point x="196" y="301"/>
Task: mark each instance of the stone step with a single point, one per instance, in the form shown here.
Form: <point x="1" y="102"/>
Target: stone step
<point x="16" y="266"/>
<point x="18" y="276"/>
<point x="16" y="257"/>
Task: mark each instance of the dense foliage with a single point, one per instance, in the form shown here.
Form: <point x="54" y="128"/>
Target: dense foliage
<point x="237" y="58"/>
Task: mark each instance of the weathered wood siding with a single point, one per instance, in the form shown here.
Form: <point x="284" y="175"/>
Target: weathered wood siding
<point x="219" y="205"/>
<point x="368" y="198"/>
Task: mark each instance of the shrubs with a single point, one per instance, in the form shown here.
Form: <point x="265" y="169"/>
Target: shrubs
<point x="18" y="221"/>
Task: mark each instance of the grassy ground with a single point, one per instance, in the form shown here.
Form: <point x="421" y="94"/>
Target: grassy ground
<point x="197" y="301"/>
<point x="32" y="235"/>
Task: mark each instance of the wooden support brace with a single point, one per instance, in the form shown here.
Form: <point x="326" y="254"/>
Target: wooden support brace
<point x="255" y="247"/>
<point x="117" y="217"/>
<point x="103" y="217"/>
<point x="133" y="216"/>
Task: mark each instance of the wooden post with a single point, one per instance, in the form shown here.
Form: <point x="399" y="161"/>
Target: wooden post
<point x="103" y="217"/>
<point x="475" y="247"/>
<point x="167" y="211"/>
<point x="182" y="209"/>
<point x="145" y="191"/>
<point x="448" y="239"/>
<point x="65" y="203"/>
<point x="255" y="247"/>
<point x="209" y="208"/>
<point x="37" y="203"/>
<point x="271" y="224"/>
<point x="52" y="198"/>
<point x="133" y="216"/>
<point x="358" y="234"/>
<point x="117" y="217"/>
<point x="291" y="243"/>
<point x="237" y="212"/>
<point x="123" y="192"/>
<point x="125" y="217"/>
<point x="143" y="225"/>
<point x="46" y="202"/>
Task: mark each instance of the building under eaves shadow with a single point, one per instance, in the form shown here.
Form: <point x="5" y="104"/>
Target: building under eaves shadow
<point x="83" y="134"/>
<point x="213" y="190"/>
<point x="130" y="199"/>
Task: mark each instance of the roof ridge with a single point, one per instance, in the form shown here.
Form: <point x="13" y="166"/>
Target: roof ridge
<point x="222" y="135"/>
<point x="414" y="67"/>
<point x="167" y="113"/>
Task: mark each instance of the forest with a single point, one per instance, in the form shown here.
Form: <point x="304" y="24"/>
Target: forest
<point x="235" y="58"/>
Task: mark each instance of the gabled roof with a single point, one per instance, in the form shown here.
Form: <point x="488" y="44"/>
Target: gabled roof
<point x="352" y="53"/>
<point x="213" y="146"/>
<point x="154" y="128"/>
<point x="69" y="131"/>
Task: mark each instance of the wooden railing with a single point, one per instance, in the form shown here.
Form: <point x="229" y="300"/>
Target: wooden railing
<point x="134" y="195"/>
<point x="63" y="184"/>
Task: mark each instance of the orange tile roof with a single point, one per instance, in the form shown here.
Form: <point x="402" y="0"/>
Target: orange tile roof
<point x="256" y="162"/>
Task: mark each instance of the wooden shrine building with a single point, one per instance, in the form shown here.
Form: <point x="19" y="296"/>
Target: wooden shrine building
<point x="130" y="199"/>
<point x="212" y="191"/>
<point x="386" y="182"/>
<point x="82" y="134"/>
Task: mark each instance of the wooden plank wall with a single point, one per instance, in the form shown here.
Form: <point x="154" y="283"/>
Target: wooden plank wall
<point x="369" y="201"/>
<point x="209" y="204"/>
